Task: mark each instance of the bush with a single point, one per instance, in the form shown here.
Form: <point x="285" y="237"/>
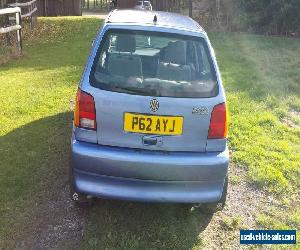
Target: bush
<point x="271" y="17"/>
<point x="280" y="17"/>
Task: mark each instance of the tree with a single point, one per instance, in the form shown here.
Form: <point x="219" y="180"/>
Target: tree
<point x="190" y="8"/>
<point x="2" y="3"/>
<point x="269" y="16"/>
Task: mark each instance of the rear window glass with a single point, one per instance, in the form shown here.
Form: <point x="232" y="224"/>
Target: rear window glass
<point x="154" y="64"/>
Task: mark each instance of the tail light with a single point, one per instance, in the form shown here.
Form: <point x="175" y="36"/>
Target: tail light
<point x="85" y="113"/>
<point x="218" y="128"/>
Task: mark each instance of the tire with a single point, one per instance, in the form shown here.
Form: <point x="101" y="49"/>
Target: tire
<point x="224" y="194"/>
<point x="77" y="197"/>
<point x="211" y="208"/>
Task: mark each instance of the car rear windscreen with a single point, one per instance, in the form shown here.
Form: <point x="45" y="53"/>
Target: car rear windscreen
<point x="154" y="64"/>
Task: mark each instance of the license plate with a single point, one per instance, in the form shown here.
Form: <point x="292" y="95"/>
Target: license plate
<point x="152" y="124"/>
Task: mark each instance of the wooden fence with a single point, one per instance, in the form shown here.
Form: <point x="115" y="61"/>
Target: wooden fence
<point x="102" y="5"/>
<point x="28" y="10"/>
<point x="59" y="8"/>
<point x="15" y="27"/>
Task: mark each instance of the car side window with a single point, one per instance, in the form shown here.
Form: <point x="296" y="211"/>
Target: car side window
<point x="204" y="59"/>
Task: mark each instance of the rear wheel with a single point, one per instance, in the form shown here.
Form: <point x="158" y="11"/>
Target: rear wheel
<point x="224" y="194"/>
<point x="77" y="197"/>
<point x="213" y="207"/>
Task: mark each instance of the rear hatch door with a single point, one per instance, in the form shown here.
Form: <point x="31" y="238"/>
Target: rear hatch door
<point x="155" y="123"/>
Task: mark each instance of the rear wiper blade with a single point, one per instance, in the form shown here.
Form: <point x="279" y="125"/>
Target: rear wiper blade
<point x="135" y="90"/>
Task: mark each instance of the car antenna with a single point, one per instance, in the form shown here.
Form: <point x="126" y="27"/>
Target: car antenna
<point x="155" y="19"/>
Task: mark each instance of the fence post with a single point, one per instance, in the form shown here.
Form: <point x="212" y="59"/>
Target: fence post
<point x="19" y="33"/>
<point x="30" y="18"/>
<point x="12" y="28"/>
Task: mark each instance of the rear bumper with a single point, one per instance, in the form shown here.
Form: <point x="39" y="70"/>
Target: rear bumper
<point x="141" y="175"/>
<point x="145" y="190"/>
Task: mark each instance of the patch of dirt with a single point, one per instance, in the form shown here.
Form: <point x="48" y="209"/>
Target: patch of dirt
<point x="289" y="120"/>
<point x="101" y="15"/>
<point x="57" y="223"/>
<point x="244" y="202"/>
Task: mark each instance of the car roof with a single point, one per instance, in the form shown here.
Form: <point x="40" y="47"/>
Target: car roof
<point x="164" y="19"/>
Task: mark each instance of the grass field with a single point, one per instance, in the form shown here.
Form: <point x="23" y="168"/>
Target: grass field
<point x="262" y="80"/>
<point x="35" y="115"/>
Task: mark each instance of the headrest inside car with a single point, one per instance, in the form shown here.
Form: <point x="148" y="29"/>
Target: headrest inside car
<point x="125" y="43"/>
<point x="175" y="53"/>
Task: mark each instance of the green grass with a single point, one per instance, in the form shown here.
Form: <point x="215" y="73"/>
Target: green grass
<point x="123" y="225"/>
<point x="261" y="76"/>
<point x="35" y="115"/>
<point x="262" y="80"/>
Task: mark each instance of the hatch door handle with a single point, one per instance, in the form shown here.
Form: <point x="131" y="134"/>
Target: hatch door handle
<point x="152" y="140"/>
<point x="149" y="141"/>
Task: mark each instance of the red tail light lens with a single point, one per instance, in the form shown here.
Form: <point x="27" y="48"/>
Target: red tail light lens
<point x="85" y="113"/>
<point x="218" y="128"/>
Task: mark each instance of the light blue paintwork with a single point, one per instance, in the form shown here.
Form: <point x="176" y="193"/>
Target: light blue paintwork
<point x="114" y="164"/>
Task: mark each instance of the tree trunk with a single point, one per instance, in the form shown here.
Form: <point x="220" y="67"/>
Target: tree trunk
<point x="191" y="8"/>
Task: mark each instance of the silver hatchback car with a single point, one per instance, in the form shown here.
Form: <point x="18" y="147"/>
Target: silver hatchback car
<point x="143" y="5"/>
<point x="150" y="119"/>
